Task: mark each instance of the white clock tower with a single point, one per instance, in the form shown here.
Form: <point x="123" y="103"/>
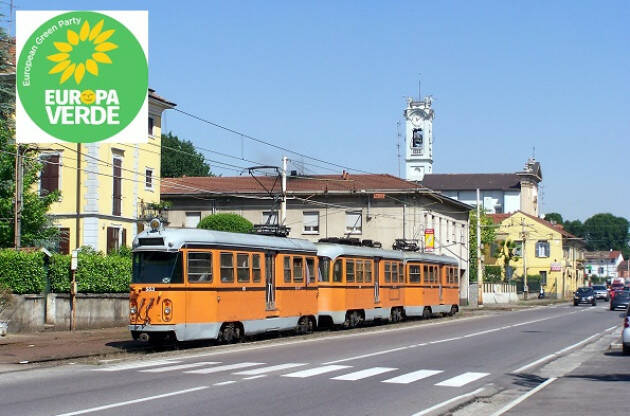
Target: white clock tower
<point x="419" y="138"/>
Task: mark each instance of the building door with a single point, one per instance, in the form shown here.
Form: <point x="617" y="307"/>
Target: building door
<point x="270" y="284"/>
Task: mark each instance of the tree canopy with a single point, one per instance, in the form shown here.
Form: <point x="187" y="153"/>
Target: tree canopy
<point x="180" y="158"/>
<point x="226" y="222"/>
<point x="605" y="232"/>
<point x="488" y="234"/>
<point x="554" y="217"/>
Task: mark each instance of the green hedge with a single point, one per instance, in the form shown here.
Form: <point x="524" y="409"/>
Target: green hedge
<point x="226" y="222"/>
<point x="22" y="272"/>
<point x="96" y="273"/>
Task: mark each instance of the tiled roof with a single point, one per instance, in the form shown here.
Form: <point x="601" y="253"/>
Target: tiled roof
<point x="601" y="255"/>
<point x="152" y="94"/>
<point x="470" y="181"/>
<point x="498" y="218"/>
<point x="295" y="184"/>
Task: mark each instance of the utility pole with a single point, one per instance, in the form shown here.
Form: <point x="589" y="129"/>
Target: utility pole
<point x="283" y="204"/>
<point x="479" y="270"/>
<point x="19" y="188"/>
<point x="525" y="288"/>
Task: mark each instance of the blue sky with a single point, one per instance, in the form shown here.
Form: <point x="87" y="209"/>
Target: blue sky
<point x="329" y="79"/>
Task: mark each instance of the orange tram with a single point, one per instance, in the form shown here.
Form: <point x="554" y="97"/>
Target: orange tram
<point x="191" y="284"/>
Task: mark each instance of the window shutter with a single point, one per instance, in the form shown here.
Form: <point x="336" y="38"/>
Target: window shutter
<point x="124" y="238"/>
<point x="50" y="175"/>
<point x="64" y="241"/>
<point x="311" y="219"/>
<point x="192" y="219"/>
<point x="117" y="191"/>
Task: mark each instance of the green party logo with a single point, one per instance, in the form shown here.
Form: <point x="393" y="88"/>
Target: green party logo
<point x="81" y="77"/>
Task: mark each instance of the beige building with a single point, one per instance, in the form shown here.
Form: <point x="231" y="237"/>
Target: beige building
<point x="104" y="186"/>
<point x="381" y="208"/>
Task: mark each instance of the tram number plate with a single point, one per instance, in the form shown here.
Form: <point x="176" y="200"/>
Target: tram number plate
<point x="149" y="289"/>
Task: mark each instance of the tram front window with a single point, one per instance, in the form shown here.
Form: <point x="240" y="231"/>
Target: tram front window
<point x="157" y="267"/>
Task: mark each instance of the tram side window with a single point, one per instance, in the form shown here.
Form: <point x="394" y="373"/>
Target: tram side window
<point x="256" y="271"/>
<point x="310" y="269"/>
<point x="359" y="271"/>
<point x="388" y="272"/>
<point x="242" y="267"/>
<point x="287" y="269"/>
<point x="427" y="278"/>
<point x="401" y="273"/>
<point x="414" y="274"/>
<point x="349" y="271"/>
<point x="452" y="276"/>
<point x="367" y="271"/>
<point x="432" y="274"/>
<point x="337" y="276"/>
<point x="324" y="269"/>
<point x="298" y="269"/>
<point x="200" y="267"/>
<point x="227" y="268"/>
<point x="394" y="273"/>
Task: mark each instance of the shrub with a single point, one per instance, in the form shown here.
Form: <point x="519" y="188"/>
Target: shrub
<point x="226" y="222"/>
<point x="492" y="274"/>
<point x="96" y="273"/>
<point x="6" y="297"/>
<point x="22" y="271"/>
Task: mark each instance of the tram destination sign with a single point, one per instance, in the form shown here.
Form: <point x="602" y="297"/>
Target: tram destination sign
<point x="81" y="76"/>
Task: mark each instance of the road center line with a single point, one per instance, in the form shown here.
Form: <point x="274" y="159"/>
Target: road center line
<point x="128" y="402"/>
<point x="447" y="402"/>
<point x="524" y="397"/>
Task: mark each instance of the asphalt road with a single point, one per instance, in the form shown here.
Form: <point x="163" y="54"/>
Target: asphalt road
<point x="387" y="370"/>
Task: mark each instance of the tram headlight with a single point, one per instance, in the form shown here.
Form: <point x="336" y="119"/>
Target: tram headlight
<point x="133" y="310"/>
<point x="167" y="310"/>
<point x="155" y="224"/>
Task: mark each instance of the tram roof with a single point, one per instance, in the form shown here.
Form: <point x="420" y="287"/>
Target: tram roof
<point x="333" y="250"/>
<point x="430" y="258"/>
<point x="176" y="238"/>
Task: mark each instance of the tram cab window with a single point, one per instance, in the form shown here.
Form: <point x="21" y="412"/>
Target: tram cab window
<point x="324" y="269"/>
<point x="227" y="268"/>
<point x="242" y="267"/>
<point x="310" y="269"/>
<point x="414" y="274"/>
<point x="298" y="269"/>
<point x="359" y="271"/>
<point x="157" y="267"/>
<point x="256" y="271"/>
<point x="388" y="272"/>
<point x="200" y="267"/>
<point x="367" y="270"/>
<point x="349" y="271"/>
<point x="287" y="269"/>
<point x="337" y="275"/>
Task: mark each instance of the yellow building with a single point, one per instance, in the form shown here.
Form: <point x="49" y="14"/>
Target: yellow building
<point x="104" y="186"/>
<point x="543" y="249"/>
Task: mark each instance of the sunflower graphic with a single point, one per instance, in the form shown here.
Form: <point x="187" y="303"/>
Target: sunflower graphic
<point x="82" y="52"/>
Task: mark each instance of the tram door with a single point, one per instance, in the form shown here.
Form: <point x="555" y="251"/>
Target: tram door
<point x="442" y="270"/>
<point x="270" y="284"/>
<point x="377" y="276"/>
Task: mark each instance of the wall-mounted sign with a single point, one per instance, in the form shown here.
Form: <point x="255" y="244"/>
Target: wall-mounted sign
<point x="378" y="196"/>
<point x="429" y="239"/>
<point x="556" y="267"/>
<point x="82" y="76"/>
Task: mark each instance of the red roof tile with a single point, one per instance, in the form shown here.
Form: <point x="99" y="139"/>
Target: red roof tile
<point x="498" y="218"/>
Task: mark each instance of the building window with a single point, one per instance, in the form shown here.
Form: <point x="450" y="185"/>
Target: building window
<point x="148" y="178"/>
<point x="542" y="249"/>
<point x="192" y="219"/>
<point x="418" y="138"/>
<point x="600" y="271"/>
<point x="270" y="218"/>
<point x="64" y="241"/>
<point x="117" y="191"/>
<point x="113" y="239"/>
<point x="543" y="278"/>
<point x="151" y="124"/>
<point x="353" y="222"/>
<point x="49" y="179"/>
<point x="311" y="222"/>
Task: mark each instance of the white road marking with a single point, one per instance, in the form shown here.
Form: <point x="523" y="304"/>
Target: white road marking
<point x="447" y="402"/>
<point x="462" y="379"/>
<point x="413" y="376"/>
<point x="316" y="371"/>
<point x="179" y="367"/>
<point x="136" y="364"/>
<point x="125" y="403"/>
<point x="445" y="340"/>
<point x="224" y="383"/>
<point x="358" y="375"/>
<point x="523" y="397"/>
<point x="269" y="369"/>
<point x="555" y="354"/>
<point x="254" y="377"/>
<point x="222" y="368"/>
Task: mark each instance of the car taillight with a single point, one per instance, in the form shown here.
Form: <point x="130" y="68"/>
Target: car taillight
<point x="626" y="323"/>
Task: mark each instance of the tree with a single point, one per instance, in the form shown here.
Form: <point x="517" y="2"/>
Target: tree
<point x="180" y="158"/>
<point x="605" y="232"/>
<point x="7" y="82"/>
<point x="226" y="222"/>
<point x="575" y="227"/>
<point x="554" y="217"/>
<point x="507" y="253"/>
<point x="488" y="231"/>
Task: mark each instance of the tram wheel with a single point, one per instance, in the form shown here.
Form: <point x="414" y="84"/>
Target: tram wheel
<point x="396" y="315"/>
<point x="305" y="325"/>
<point x="426" y="313"/>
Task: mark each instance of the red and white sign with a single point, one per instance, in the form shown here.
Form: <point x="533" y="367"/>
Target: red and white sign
<point x="556" y="267"/>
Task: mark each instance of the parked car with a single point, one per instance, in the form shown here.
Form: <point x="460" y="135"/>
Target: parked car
<point x="584" y="295"/>
<point x="620" y="299"/>
<point x="615" y="287"/>
<point x="601" y="292"/>
<point x="625" y="334"/>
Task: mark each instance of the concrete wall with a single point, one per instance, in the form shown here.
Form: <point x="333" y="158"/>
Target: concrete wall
<point x="493" y="294"/>
<point x="38" y="312"/>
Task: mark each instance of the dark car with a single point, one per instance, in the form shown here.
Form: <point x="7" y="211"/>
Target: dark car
<point x="601" y="292"/>
<point x="620" y="299"/>
<point x="584" y="295"/>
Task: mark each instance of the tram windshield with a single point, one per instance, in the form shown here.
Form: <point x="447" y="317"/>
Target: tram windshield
<point x="157" y="267"/>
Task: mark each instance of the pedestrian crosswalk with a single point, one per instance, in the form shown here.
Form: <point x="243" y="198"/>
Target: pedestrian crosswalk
<point x="255" y="370"/>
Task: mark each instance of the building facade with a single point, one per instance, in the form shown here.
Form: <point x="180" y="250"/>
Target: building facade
<point x="418" y="139"/>
<point x="603" y="263"/>
<point x="381" y="208"/>
<point x="542" y="249"/>
<point x="103" y="186"/>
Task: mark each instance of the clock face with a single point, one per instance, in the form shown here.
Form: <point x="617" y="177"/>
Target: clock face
<point x="416" y="119"/>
